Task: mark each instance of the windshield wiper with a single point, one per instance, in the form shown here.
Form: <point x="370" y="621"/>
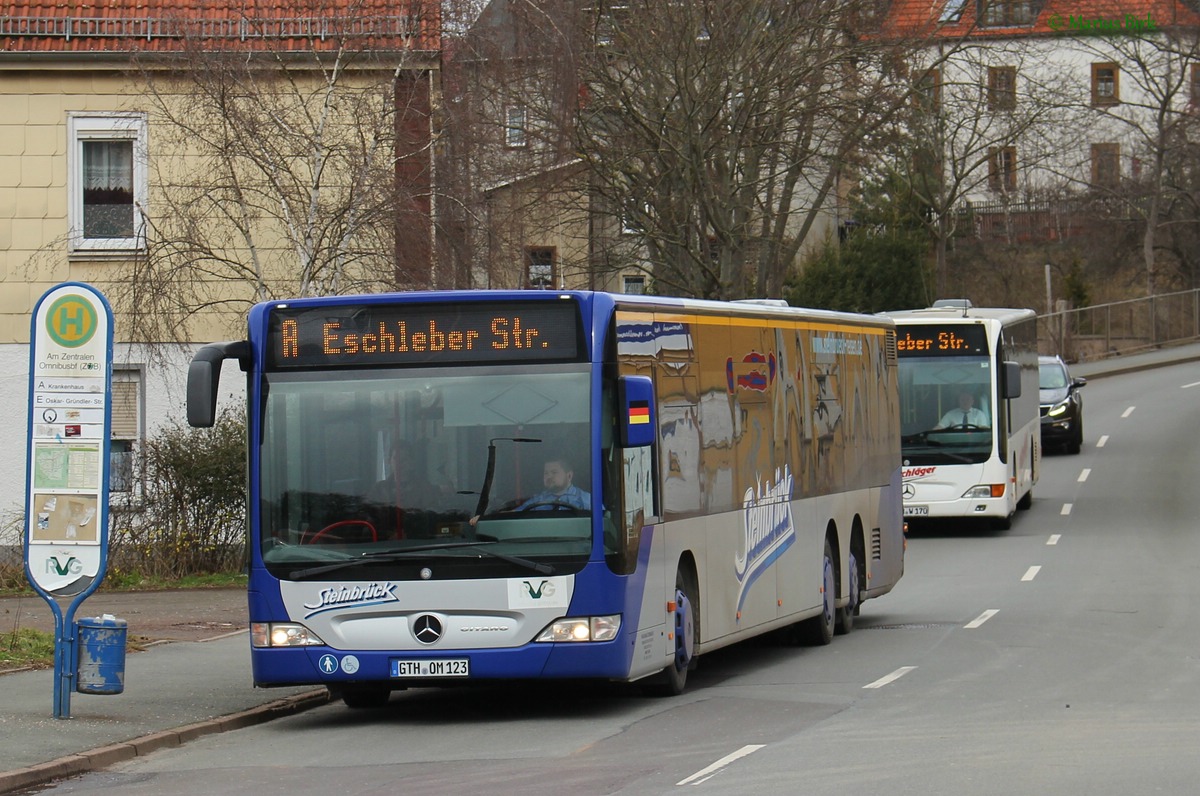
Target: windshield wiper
<point x="374" y="556"/>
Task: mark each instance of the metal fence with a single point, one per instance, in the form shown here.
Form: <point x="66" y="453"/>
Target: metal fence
<point x="1090" y="333"/>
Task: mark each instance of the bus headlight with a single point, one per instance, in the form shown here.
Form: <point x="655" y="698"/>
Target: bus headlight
<point x="282" y="634"/>
<point x="984" y="491"/>
<point x="582" y="628"/>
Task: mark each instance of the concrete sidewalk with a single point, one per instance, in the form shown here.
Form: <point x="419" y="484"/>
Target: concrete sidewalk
<point x="173" y="693"/>
<point x="182" y="690"/>
<point x="1130" y="363"/>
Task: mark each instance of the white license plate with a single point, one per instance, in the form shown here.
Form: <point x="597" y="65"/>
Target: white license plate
<point x="916" y="511"/>
<point x="435" y="667"/>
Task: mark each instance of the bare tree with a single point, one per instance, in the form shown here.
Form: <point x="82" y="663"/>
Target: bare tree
<point x="1151" y="115"/>
<point x="721" y="129"/>
<point x="292" y="165"/>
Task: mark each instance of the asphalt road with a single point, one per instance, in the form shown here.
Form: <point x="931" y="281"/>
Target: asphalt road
<point x="1057" y="657"/>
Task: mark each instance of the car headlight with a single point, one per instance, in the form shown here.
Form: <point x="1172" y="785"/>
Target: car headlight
<point x="1057" y="409"/>
<point x="582" y="628"/>
<point x="282" y="634"/>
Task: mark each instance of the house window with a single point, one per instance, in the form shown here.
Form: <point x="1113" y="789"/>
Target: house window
<point x="1002" y="169"/>
<point x="1106" y="84"/>
<point x="928" y="94"/>
<point x="107" y="182"/>
<point x="1002" y="88"/>
<point x="1106" y="165"/>
<point x="540" y="268"/>
<point x="635" y="285"/>
<point x="1001" y="13"/>
<point x="515" y="119"/>
<point x="126" y="429"/>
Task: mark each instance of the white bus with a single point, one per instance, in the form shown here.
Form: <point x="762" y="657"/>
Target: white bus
<point x="971" y="432"/>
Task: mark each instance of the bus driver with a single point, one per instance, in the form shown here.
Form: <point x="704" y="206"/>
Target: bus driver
<point x="965" y="415"/>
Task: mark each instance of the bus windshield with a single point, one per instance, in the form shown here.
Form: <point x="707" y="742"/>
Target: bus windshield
<point x="482" y="468"/>
<point x="947" y="404"/>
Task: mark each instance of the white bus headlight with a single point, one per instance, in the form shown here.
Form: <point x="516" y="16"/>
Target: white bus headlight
<point x="582" y="628"/>
<point x="282" y="634"/>
<point x="984" y="491"/>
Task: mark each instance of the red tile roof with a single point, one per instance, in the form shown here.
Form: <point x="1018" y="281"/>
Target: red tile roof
<point x="125" y="26"/>
<point x="936" y="18"/>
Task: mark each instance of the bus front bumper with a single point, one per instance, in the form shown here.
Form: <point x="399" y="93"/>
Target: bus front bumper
<point x="961" y="508"/>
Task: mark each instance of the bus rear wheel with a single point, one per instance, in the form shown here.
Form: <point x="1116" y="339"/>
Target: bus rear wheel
<point x="820" y="628"/>
<point x="846" y="614"/>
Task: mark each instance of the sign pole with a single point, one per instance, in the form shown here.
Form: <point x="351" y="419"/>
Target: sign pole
<point x="67" y="461"/>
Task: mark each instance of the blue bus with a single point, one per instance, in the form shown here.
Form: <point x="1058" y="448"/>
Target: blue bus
<point x="451" y="487"/>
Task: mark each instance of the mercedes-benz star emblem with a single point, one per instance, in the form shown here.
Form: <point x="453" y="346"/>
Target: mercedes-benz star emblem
<point x="427" y="629"/>
<point x="909" y="491"/>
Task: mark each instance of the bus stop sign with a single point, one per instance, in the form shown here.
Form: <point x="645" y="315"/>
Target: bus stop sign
<point x="70" y="389"/>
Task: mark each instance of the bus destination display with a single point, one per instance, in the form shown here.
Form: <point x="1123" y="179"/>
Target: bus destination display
<point x="423" y="334"/>
<point x="931" y="341"/>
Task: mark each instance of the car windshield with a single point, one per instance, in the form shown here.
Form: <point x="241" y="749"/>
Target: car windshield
<point x="360" y="465"/>
<point x="1052" y="376"/>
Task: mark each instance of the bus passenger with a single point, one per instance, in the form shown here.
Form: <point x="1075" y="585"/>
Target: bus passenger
<point x="965" y="415"/>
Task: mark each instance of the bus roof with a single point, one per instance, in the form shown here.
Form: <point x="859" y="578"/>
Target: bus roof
<point x="1004" y="315"/>
<point x="765" y="308"/>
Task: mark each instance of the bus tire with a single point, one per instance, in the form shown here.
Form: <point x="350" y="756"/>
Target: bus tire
<point x="820" y="628"/>
<point x="673" y="679"/>
<point x="1026" y="501"/>
<point x="368" y="696"/>
<point x="846" y="614"/>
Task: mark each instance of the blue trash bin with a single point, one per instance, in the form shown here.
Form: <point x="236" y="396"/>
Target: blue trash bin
<point x="101" y="665"/>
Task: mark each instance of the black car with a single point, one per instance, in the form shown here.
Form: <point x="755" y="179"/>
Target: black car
<point x="1062" y="405"/>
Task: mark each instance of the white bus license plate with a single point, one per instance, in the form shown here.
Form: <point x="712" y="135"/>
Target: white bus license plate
<point x="436" y="667"/>
<point x="916" y="511"/>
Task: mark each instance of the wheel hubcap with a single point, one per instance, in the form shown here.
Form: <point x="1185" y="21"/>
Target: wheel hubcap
<point x="684" y="630"/>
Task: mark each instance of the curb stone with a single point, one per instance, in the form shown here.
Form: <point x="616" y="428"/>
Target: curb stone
<point x="105" y="756"/>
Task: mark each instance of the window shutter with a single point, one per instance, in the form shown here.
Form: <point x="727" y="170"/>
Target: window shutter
<point x="125" y="409"/>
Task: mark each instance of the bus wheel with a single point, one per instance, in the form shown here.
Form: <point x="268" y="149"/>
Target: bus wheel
<point x="1026" y="501"/>
<point x="846" y="614"/>
<point x="367" y="696"/>
<point x="820" y="627"/>
<point x="674" y="677"/>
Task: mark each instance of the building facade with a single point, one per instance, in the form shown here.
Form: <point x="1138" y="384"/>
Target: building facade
<point x="111" y="173"/>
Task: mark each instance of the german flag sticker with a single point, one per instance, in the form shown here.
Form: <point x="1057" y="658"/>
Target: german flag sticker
<point x="639" y="413"/>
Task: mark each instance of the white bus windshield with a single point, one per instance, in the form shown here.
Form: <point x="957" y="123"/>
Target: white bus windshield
<point x="362" y="465"/>
<point x="947" y="409"/>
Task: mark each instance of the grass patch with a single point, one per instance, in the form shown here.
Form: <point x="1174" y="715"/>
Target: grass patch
<point x="135" y="581"/>
<point x="13" y="582"/>
<point x="26" y="647"/>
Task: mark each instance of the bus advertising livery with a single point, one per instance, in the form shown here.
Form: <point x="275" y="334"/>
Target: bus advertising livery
<point x="456" y="487"/>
